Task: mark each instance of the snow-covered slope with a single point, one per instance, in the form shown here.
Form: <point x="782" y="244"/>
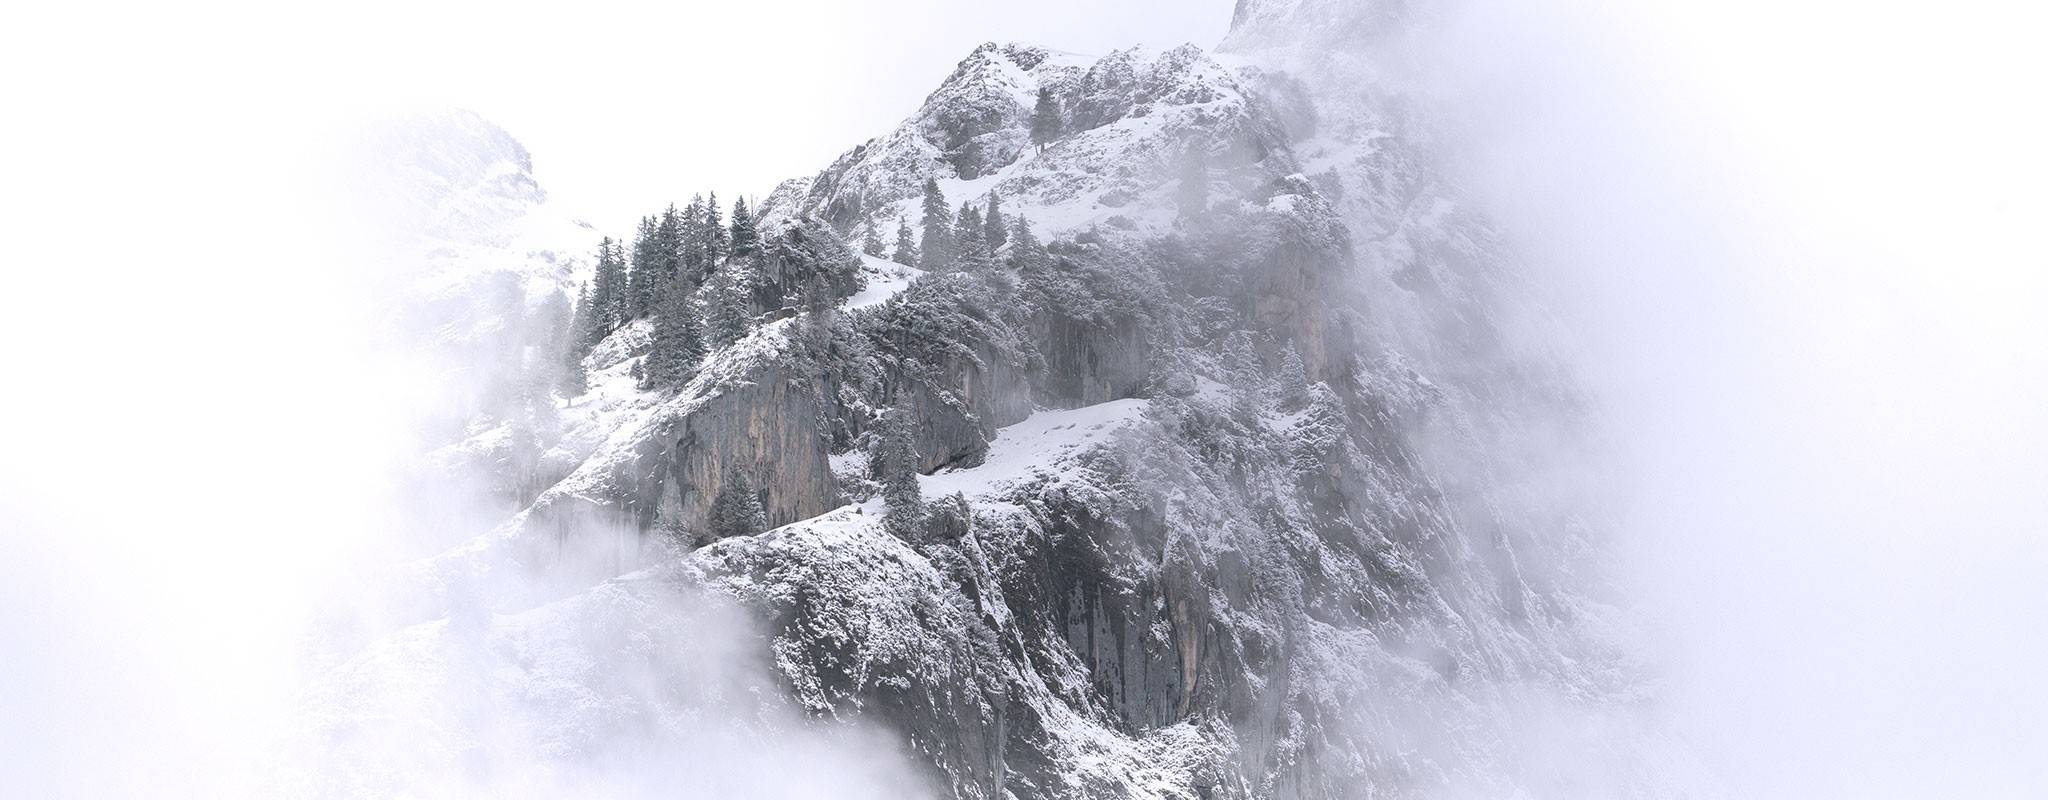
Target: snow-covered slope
<point x="1131" y="119"/>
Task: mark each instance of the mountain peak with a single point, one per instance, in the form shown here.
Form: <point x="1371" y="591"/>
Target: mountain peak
<point x="1127" y="119"/>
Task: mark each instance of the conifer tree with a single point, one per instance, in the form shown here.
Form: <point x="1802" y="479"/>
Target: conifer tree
<point x="906" y="245"/>
<point x="730" y="315"/>
<point x="715" y="243"/>
<point x="996" y="229"/>
<point x="871" y="243"/>
<point x="1027" y="254"/>
<point x="668" y="234"/>
<point x="745" y="240"/>
<point x="608" y="292"/>
<point x="971" y="240"/>
<point x="1046" y="124"/>
<point x="1292" y="382"/>
<point x="1245" y="374"/>
<point x="575" y="382"/>
<point x="696" y="261"/>
<point x="644" y="277"/>
<point x="678" y="345"/>
<point x="937" y="245"/>
<point x="737" y="511"/>
<point x="893" y="463"/>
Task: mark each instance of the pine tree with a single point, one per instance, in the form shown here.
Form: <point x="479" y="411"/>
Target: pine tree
<point x="678" y="345"/>
<point x="996" y="230"/>
<point x="745" y="240"/>
<point x="1292" y="382"/>
<point x="937" y="245"/>
<point x="608" y="300"/>
<point x="1027" y="254"/>
<point x="893" y="463"/>
<point x="971" y="240"/>
<point x="715" y="244"/>
<point x="871" y="243"/>
<point x="644" y="277"/>
<point x="1046" y="124"/>
<point x="575" y="381"/>
<point x="668" y="236"/>
<point x="737" y="511"/>
<point x="695" y="247"/>
<point x="731" y="315"/>
<point x="906" y="245"/>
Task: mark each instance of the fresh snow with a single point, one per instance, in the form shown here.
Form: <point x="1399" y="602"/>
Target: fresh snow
<point x="886" y="279"/>
<point x="1038" y="445"/>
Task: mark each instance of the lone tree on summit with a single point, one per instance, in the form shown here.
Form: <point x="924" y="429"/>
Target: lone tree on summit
<point x="1046" y="123"/>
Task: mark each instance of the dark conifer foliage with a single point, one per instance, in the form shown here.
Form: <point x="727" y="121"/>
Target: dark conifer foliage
<point x="893" y="464"/>
<point x="871" y="243"/>
<point x="575" y="380"/>
<point x="1046" y="122"/>
<point x="729" y="315"/>
<point x="746" y="241"/>
<point x="644" y="278"/>
<point x="970" y="239"/>
<point x="608" y="292"/>
<point x="668" y="236"/>
<point x="1028" y="255"/>
<point x="716" y="237"/>
<point x="678" y="345"/>
<point x="695" y="244"/>
<point x="906" y="245"/>
<point x="996" y="229"/>
<point x="737" y="511"/>
<point x="936" y="248"/>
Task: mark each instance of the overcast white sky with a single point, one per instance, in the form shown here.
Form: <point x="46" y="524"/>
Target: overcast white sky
<point x="629" y="105"/>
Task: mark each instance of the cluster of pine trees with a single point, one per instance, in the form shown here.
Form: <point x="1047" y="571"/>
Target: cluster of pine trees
<point x="971" y="240"/>
<point x="700" y="279"/>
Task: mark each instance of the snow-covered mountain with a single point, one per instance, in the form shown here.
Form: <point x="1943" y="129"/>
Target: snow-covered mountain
<point x="1259" y="494"/>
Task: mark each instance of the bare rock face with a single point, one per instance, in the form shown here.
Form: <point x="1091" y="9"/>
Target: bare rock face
<point x="768" y="428"/>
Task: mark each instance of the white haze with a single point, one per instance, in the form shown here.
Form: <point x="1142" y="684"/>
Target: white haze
<point x="1801" y="239"/>
<point x="1802" y="242"/>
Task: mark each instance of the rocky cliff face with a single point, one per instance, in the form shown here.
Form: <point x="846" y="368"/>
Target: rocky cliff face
<point x="1242" y="497"/>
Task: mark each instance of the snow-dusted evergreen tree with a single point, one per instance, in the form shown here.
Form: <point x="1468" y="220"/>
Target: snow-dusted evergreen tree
<point x="644" y="278"/>
<point x="996" y="230"/>
<point x="1245" y="375"/>
<point x="678" y="342"/>
<point x="575" y="380"/>
<point x="871" y="243"/>
<point x="737" y="510"/>
<point x="937" y="245"/>
<point x="1028" y="255"/>
<point x="1292" y="382"/>
<point x="730" y="313"/>
<point x="970" y="239"/>
<point x="694" y="244"/>
<point x="893" y="464"/>
<point x="1046" y="122"/>
<point x="668" y="237"/>
<point x="608" y="292"/>
<point x="715" y="235"/>
<point x="746" y="241"/>
<point x="906" y="245"/>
